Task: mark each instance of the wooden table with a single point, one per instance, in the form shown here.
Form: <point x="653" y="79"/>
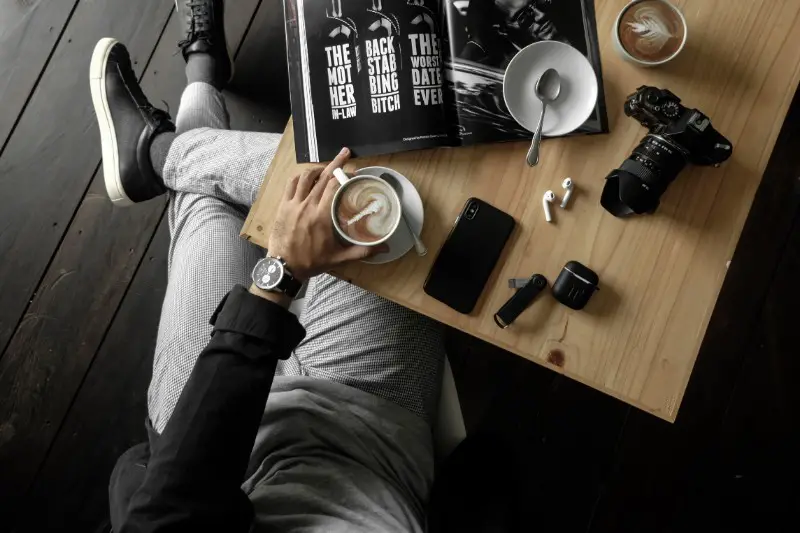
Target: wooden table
<point x="661" y="274"/>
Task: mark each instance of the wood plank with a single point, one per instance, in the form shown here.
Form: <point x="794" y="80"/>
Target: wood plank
<point x="258" y="98"/>
<point x="496" y="389"/>
<point x="107" y="417"/>
<point x="54" y="345"/>
<point x="563" y="434"/>
<point x="28" y="32"/>
<point x="578" y="434"/>
<point x="85" y="429"/>
<point x="639" y="338"/>
<point x="657" y="462"/>
<point x="49" y="161"/>
<point x="757" y="446"/>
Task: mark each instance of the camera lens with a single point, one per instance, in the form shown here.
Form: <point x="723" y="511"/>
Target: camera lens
<point x="677" y="136"/>
<point x="637" y="186"/>
<point x="472" y="210"/>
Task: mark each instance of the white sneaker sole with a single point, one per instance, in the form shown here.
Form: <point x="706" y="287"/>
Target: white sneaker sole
<point x="108" y="137"/>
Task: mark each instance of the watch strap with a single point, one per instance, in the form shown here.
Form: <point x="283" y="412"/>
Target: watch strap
<point x="289" y="285"/>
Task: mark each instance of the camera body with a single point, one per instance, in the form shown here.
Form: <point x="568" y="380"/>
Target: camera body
<point x="677" y="135"/>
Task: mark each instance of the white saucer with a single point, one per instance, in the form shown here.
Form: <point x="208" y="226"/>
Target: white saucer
<point x="402" y="241"/>
<point x="578" y="96"/>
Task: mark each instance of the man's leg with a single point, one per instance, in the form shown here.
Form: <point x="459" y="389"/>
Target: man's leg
<point x="359" y="339"/>
<point x="206" y="256"/>
<point x="354" y="337"/>
<point x="141" y="158"/>
<point x="204" y="157"/>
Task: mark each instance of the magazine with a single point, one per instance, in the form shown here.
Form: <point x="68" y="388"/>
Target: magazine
<point x="384" y="76"/>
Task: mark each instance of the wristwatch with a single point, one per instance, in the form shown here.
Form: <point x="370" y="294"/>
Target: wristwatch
<point x="272" y="275"/>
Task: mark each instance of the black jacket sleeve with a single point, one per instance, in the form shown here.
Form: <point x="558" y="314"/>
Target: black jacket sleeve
<point x="198" y="463"/>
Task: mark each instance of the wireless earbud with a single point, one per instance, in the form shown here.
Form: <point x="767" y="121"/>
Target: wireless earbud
<point x="549" y="197"/>
<point x="567" y="185"/>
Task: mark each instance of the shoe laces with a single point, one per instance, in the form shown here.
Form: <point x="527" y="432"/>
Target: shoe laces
<point x="199" y="19"/>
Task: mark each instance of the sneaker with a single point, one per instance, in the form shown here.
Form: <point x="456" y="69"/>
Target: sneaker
<point x="128" y="125"/>
<point x="203" y="27"/>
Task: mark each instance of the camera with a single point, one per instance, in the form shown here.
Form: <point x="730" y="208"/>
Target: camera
<point x="472" y="210"/>
<point x="677" y="136"/>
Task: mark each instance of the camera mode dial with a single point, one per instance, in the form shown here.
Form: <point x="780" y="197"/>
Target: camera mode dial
<point x="671" y="110"/>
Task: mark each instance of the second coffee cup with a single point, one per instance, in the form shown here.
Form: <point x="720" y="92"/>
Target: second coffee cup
<point x="366" y="210"/>
<point x="650" y="32"/>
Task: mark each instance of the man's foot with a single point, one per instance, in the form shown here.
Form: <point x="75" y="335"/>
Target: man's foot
<point x="204" y="46"/>
<point x="128" y="124"/>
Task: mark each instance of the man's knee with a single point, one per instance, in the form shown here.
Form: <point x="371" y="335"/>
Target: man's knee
<point x="126" y="478"/>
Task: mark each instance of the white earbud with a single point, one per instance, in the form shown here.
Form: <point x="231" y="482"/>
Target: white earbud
<point x="567" y="185"/>
<point x="549" y="196"/>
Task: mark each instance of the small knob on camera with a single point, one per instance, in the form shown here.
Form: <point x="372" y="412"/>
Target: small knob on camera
<point x="671" y="110"/>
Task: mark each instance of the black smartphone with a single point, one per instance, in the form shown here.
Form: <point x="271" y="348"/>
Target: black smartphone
<point x="469" y="254"/>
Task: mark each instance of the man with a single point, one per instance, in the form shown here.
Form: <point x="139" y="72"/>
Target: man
<point x="344" y="442"/>
<point x="498" y="29"/>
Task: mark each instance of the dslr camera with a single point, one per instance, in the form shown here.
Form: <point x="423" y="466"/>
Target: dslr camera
<point x="677" y="136"/>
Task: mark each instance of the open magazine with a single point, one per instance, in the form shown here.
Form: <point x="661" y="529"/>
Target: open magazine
<point x="383" y="76"/>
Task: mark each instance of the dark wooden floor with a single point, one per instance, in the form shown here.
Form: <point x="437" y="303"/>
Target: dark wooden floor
<point x="82" y="286"/>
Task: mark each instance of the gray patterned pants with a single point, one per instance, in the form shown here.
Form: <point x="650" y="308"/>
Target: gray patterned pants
<point x="353" y="337"/>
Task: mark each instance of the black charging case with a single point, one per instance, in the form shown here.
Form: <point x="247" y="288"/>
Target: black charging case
<point x="575" y="285"/>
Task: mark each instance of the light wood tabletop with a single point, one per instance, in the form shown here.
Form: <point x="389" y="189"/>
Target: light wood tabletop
<point x="659" y="274"/>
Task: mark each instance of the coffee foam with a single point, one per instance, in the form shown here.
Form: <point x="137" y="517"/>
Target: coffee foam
<point x="651" y="30"/>
<point x="367" y="210"/>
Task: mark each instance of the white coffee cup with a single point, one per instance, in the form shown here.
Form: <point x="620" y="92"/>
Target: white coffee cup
<point x="620" y="48"/>
<point x="392" y="202"/>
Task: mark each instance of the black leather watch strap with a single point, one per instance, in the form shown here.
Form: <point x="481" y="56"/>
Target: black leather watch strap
<point x="289" y="285"/>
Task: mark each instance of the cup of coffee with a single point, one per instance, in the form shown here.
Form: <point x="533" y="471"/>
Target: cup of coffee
<point x="650" y="32"/>
<point x="366" y="210"/>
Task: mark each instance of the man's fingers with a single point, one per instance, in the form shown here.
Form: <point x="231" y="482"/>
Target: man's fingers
<point x="321" y="186"/>
<point x="306" y="182"/>
<point x="338" y="162"/>
<point x="357" y="253"/>
<point x="331" y="186"/>
<point x="291" y="187"/>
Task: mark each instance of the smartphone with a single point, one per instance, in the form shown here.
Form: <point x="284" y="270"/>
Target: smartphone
<point x="468" y="256"/>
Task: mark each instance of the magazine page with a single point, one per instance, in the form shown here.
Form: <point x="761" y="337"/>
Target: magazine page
<point x="483" y="36"/>
<point x="365" y="74"/>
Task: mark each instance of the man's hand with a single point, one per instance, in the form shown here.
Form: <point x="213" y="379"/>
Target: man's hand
<point x="303" y="233"/>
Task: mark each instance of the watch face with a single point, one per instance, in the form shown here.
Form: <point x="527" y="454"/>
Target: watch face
<point x="268" y="274"/>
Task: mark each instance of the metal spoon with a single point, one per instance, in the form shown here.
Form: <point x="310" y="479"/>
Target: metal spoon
<point x="547" y="89"/>
<point x="419" y="246"/>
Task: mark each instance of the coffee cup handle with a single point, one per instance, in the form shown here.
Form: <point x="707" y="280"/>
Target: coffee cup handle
<point x="340" y="176"/>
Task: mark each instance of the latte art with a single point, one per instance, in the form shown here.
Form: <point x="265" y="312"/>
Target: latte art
<point x="367" y="210"/>
<point x="651" y="30"/>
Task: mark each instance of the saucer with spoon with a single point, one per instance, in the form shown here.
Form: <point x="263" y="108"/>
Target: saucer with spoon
<point x="571" y="92"/>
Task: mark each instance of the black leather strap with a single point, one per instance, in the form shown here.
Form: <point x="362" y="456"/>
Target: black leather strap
<point x="520" y="301"/>
<point x="289" y="285"/>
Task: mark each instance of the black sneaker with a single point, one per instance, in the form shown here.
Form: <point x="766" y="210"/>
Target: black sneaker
<point x="128" y="124"/>
<point x="203" y="27"/>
